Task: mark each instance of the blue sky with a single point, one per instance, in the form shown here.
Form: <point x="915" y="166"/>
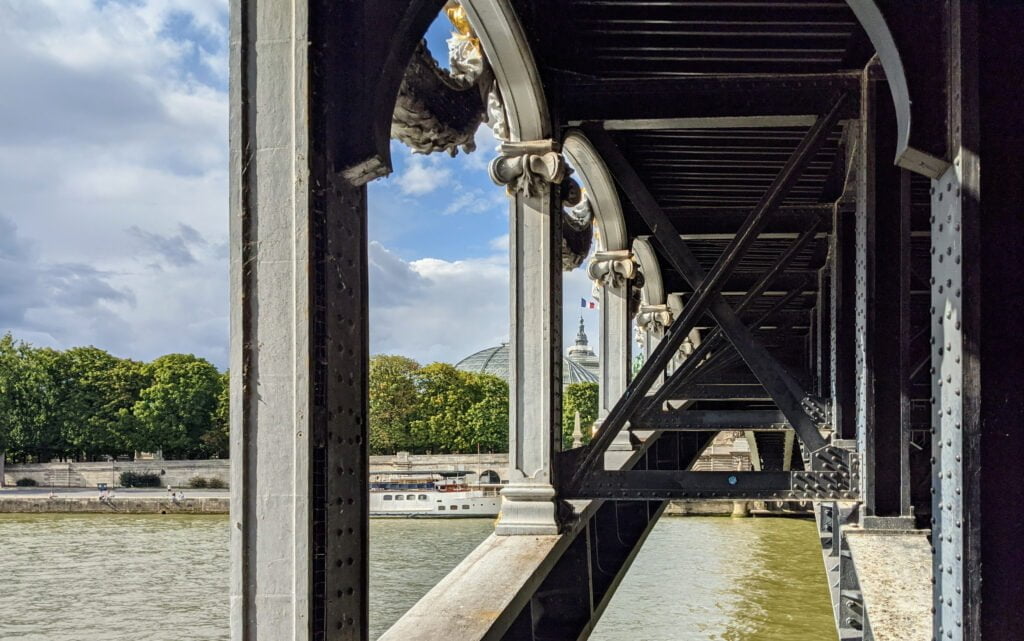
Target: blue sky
<point x="113" y="195"/>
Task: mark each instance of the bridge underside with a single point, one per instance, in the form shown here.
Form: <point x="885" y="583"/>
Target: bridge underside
<point x="792" y="214"/>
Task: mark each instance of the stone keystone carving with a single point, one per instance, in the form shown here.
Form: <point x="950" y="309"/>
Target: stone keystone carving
<point x="654" y="319"/>
<point x="612" y="268"/>
<point x="525" y="166"/>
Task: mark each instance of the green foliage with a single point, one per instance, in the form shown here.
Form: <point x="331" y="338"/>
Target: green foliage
<point x="201" y="482"/>
<point x="140" y="479"/>
<point x="436" y="408"/>
<point x="97" y="392"/>
<point x="582" y="397"/>
<point x="176" y="409"/>
<point x="86" y="404"/>
<point x="460" y="411"/>
<point x="393" y="403"/>
<point x="26" y="482"/>
<point x="31" y="383"/>
<point x="217" y="440"/>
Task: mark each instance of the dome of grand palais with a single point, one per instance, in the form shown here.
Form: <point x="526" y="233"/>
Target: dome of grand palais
<point x="579" y="365"/>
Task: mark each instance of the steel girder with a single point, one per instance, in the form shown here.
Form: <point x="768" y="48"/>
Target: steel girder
<point x="783" y="389"/>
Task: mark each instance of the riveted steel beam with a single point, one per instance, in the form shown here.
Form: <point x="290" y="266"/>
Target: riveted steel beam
<point x="631" y="101"/>
<point x="702" y="420"/>
<point x="646" y="485"/>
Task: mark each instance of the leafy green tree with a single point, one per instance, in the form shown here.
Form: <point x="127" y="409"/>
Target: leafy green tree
<point x="487" y="418"/>
<point x="178" y="406"/>
<point x="217" y="440"/>
<point x="582" y="397"/>
<point x="10" y="369"/>
<point x="394" y="401"/>
<point x="443" y="401"/>
<point x="459" y="411"/>
<point x="35" y="395"/>
<point x="97" y="392"/>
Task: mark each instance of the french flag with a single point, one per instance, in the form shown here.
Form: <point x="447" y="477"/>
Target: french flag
<point x="585" y="304"/>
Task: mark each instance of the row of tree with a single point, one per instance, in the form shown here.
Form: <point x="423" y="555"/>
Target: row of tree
<point x="440" y="409"/>
<point x="85" y="404"/>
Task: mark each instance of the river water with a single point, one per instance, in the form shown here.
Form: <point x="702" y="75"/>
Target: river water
<point x="164" y="578"/>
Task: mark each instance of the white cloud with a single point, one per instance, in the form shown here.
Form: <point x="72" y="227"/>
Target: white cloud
<point x="423" y="175"/>
<point x="431" y="309"/>
<point x="113" y="156"/>
<point x="499" y="243"/>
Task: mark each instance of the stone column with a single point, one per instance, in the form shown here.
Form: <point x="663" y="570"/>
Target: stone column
<point x="612" y="270"/>
<point x="532" y="172"/>
<point x="651" y="322"/>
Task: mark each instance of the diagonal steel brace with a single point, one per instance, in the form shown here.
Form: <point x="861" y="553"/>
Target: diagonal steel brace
<point x="772" y="376"/>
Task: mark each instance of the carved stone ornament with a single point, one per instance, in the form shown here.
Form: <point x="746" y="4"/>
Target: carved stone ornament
<point x="435" y="110"/>
<point x="465" y="56"/>
<point x="611" y="269"/>
<point x="524" y="167"/>
<point x="577" y="225"/>
<point x="469" y="65"/>
<point x="654" y="319"/>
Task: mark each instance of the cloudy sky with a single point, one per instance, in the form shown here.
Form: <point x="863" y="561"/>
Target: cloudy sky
<point x="113" y="196"/>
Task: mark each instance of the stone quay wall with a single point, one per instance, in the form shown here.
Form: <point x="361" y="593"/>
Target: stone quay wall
<point x="474" y="463"/>
<point x="179" y="473"/>
<point x="173" y="473"/>
<point x="118" y="505"/>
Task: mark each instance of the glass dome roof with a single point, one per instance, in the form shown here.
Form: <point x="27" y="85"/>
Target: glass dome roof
<point x="494" y="361"/>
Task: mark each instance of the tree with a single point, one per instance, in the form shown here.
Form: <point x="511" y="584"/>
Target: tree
<point x="178" y="406"/>
<point x="443" y="401"/>
<point x="393" y="403"/>
<point x="459" y="411"/>
<point x="33" y="405"/>
<point x="582" y="397"/>
<point x="10" y="366"/>
<point x="217" y="440"/>
<point x="97" y="391"/>
<point x="487" y="418"/>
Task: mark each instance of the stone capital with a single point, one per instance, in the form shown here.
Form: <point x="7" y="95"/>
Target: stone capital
<point x="526" y="167"/>
<point x="611" y="269"/>
<point x="654" y="318"/>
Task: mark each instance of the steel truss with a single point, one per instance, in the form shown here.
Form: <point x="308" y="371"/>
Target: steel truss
<point x="773" y="377"/>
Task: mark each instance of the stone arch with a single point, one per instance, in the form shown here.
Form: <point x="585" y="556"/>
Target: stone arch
<point x="604" y="198"/>
<point x="510" y="56"/>
<point x="873" y="21"/>
<point x="653" y="291"/>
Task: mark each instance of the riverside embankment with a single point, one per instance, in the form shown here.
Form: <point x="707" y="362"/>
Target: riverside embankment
<point x="122" y="501"/>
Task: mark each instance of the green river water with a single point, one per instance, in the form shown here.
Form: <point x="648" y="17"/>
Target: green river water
<point x="164" y="578"/>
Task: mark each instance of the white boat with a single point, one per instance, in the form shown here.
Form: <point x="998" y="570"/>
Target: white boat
<point x="437" y="495"/>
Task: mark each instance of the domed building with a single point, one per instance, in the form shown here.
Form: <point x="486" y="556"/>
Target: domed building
<point x="580" y="365"/>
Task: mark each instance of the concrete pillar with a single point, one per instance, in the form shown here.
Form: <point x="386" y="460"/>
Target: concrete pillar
<point x="532" y="172"/>
<point x="612" y="271"/>
<point x="300" y="155"/>
<point x="740" y="509"/>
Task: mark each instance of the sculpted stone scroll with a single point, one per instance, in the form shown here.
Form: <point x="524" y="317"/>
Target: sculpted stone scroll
<point x="654" y="318"/>
<point x="612" y="269"/>
<point x="526" y="167"/>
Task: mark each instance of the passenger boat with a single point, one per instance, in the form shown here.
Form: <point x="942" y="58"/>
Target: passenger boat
<point x="438" y="495"/>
